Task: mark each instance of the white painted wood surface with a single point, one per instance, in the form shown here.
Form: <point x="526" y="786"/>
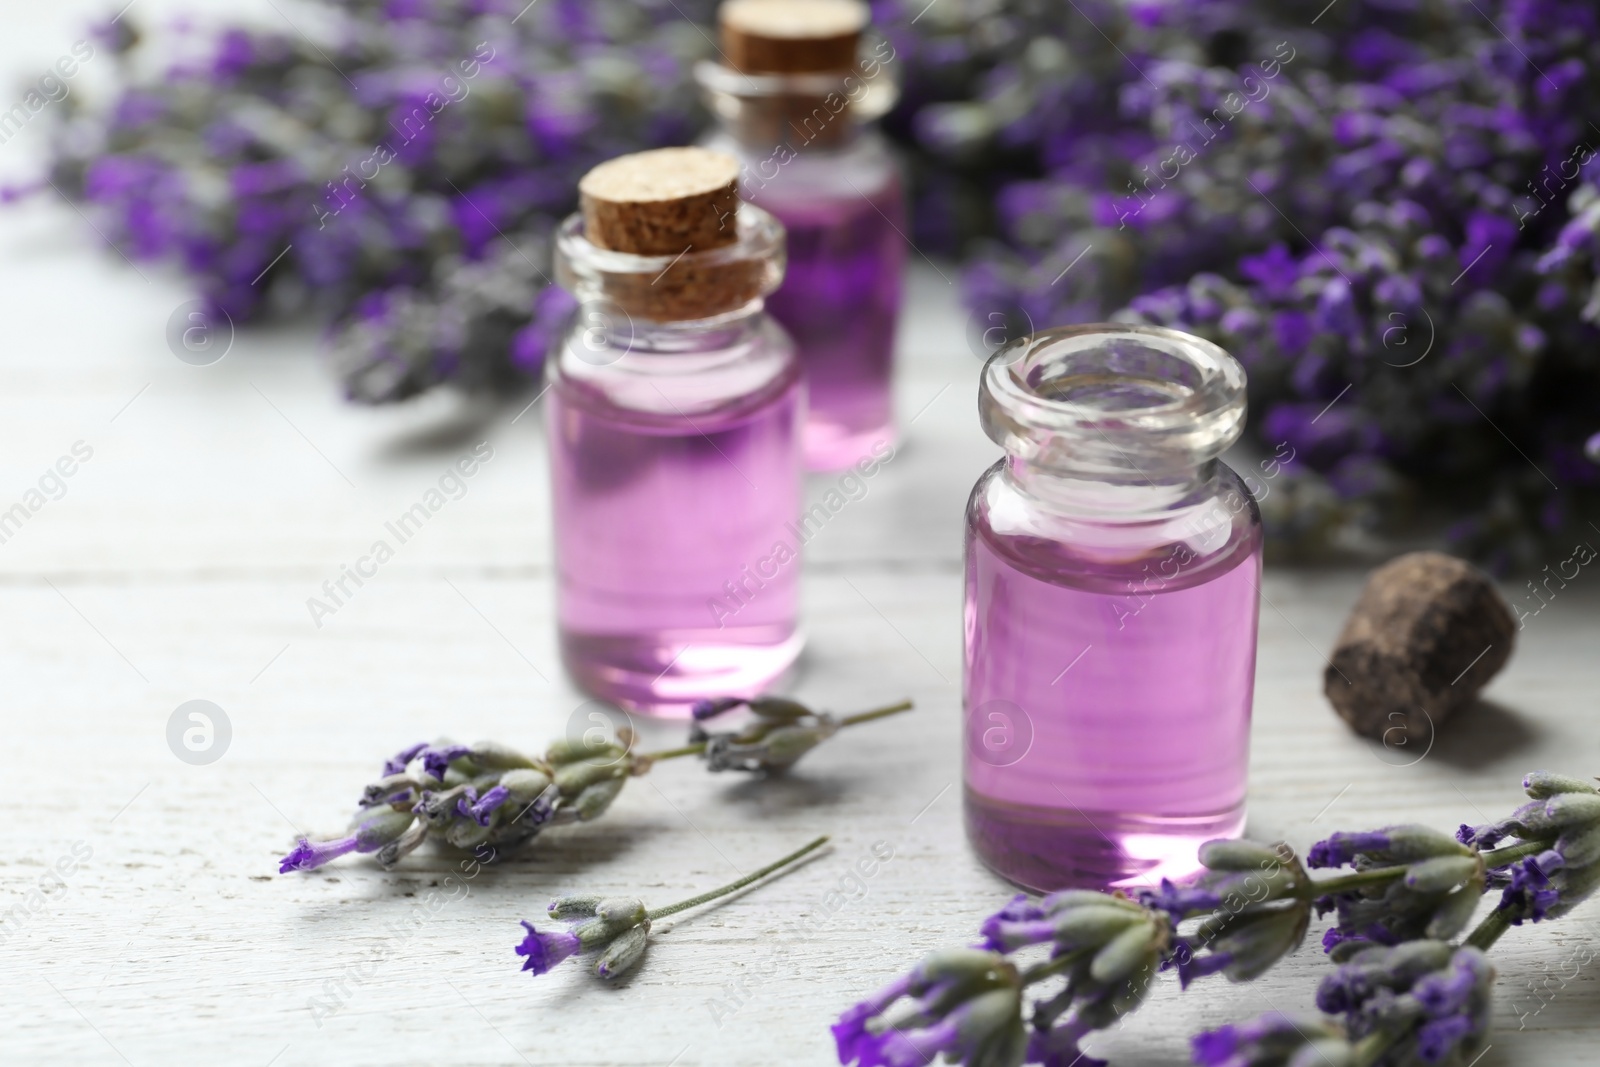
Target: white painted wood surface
<point x="177" y="566"/>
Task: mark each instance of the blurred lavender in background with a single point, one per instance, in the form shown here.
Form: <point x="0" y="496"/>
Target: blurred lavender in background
<point x="412" y="156"/>
<point x="1389" y="210"/>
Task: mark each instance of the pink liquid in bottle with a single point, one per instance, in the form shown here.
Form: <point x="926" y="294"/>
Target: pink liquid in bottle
<point x="672" y="583"/>
<point x="1113" y="567"/>
<point x="840" y="300"/>
<point x="1138" y="695"/>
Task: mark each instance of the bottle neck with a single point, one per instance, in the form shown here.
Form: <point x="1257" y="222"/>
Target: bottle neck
<point x="792" y="124"/>
<point x="1135" y="496"/>
<point x="603" y="341"/>
<point x="800" y="113"/>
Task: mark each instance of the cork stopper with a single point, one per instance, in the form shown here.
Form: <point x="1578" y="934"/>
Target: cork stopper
<point x="678" y="209"/>
<point x="791" y="36"/>
<point x="662" y="203"/>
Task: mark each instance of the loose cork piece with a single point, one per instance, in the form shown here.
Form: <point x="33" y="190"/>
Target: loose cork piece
<point x="1427" y="633"/>
<point x="662" y="202"/>
<point x="791" y="36"/>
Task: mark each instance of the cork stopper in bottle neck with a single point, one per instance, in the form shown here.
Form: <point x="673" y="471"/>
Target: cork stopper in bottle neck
<point x="665" y="209"/>
<point x="661" y="203"/>
<point x="791" y="36"/>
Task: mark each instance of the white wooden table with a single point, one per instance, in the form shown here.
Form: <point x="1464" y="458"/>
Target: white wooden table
<point x="177" y="566"/>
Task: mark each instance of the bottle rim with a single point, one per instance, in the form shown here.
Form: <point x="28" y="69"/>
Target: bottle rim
<point x="1113" y="398"/>
<point x="870" y="96"/>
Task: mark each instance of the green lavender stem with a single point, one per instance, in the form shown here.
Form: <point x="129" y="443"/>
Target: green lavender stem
<point x="1379" y="875"/>
<point x="734" y="887"/>
<point x="848" y="720"/>
<point x="1370" y="1048"/>
<point x="1501" y="857"/>
<point x="1487" y="932"/>
<point x="1346" y="882"/>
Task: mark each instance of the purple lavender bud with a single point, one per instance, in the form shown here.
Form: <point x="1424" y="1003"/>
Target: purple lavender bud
<point x="1342" y="848"/>
<point x="1179" y="901"/>
<point x="1020" y="909"/>
<point x="398" y="763"/>
<point x="546" y="949"/>
<point x="436" y="761"/>
<point x="1219" y="1047"/>
<point x="1447" y="992"/>
<point x="1058" y="1047"/>
<point x="1531" y="895"/>
<point x="309" y="855"/>
<point x="1192" y="967"/>
<point x="1438" y="1038"/>
<point x="624" y="951"/>
<point x="710" y="709"/>
<point x="483" y="807"/>
<point x="370" y="835"/>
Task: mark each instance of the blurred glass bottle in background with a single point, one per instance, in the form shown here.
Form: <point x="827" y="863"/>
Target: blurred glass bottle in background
<point x="675" y="412"/>
<point x="796" y="93"/>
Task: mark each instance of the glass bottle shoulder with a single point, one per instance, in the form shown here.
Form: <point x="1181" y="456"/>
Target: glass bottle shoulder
<point x="1203" y="537"/>
<point x="610" y="371"/>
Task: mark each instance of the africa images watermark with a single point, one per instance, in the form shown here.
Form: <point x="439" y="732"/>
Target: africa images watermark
<point x="855" y="87"/>
<point x="743" y="588"/>
<point x="409" y="126"/>
<point x="1226" y="111"/>
<point x="851" y="887"/>
<point x="1579" y="158"/>
<point x="45" y="892"/>
<point x="452" y="485"/>
<point x="51" y="486"/>
<point x="51" y="88"/>
<point x="1583" y="554"/>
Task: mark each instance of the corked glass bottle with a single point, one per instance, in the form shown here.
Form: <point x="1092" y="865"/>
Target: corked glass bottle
<point x="675" y="411"/>
<point x="796" y="94"/>
<point x="1113" y="565"/>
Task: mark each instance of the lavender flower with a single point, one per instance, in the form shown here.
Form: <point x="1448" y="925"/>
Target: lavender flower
<point x="369" y="835"/>
<point x="471" y="796"/>
<point x="779" y="733"/>
<point x="1274" y="1040"/>
<point x="1255" y="906"/>
<point x="1437" y="886"/>
<point x="544" y="950"/>
<point x="966" y="1003"/>
<point x="618" y="928"/>
<point x="491" y="798"/>
<point x="1405" y="994"/>
<point x="1425" y="994"/>
<point x="398" y="175"/>
<point x="1556" y="866"/>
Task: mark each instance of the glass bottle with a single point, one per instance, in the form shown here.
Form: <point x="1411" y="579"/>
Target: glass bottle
<point x="675" y="472"/>
<point x="811" y="154"/>
<point x="1112" y="575"/>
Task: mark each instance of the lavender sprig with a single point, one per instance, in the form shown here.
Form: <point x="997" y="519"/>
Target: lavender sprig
<point x="1404" y="992"/>
<point x="489" y="796"/>
<point x="780" y="732"/>
<point x="618" y="928"/>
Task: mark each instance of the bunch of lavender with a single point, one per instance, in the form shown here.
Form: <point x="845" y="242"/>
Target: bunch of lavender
<point x="1403" y="991"/>
<point x="397" y="170"/>
<point x="489" y="795"/>
<point x="1166" y="150"/>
